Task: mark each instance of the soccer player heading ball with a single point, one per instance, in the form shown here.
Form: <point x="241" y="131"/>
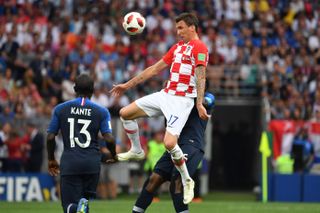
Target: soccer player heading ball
<point x="187" y="60"/>
<point x="191" y="142"/>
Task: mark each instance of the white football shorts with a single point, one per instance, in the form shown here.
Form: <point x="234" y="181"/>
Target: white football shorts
<point x="176" y="109"/>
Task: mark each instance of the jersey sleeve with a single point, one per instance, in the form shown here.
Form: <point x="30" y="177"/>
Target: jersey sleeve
<point x="54" y="125"/>
<point x="105" y="125"/>
<point x="168" y="57"/>
<point x="200" y="53"/>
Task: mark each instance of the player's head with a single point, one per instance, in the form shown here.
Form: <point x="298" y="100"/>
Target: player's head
<point x="84" y="85"/>
<point x="187" y="26"/>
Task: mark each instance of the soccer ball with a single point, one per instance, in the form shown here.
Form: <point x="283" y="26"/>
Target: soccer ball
<point x="133" y="23"/>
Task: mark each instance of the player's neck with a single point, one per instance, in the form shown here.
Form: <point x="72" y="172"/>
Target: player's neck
<point x="193" y="37"/>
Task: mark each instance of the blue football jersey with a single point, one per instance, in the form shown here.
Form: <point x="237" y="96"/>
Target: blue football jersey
<point x="193" y="131"/>
<point x="80" y="121"/>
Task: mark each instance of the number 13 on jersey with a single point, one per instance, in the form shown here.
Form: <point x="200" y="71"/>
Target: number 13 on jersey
<point x="83" y="130"/>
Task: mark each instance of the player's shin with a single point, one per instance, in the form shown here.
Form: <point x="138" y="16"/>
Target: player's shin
<point x="188" y="184"/>
<point x="179" y="162"/>
<point x="177" y="195"/>
<point x="144" y="200"/>
<point x="178" y="204"/>
<point x="132" y="129"/>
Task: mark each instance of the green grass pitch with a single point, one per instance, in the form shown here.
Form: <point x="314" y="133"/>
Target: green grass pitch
<point x="216" y="202"/>
<point x="165" y="206"/>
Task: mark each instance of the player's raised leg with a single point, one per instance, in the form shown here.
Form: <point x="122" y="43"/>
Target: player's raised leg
<point x="128" y="117"/>
<point x="178" y="158"/>
<point x="177" y="110"/>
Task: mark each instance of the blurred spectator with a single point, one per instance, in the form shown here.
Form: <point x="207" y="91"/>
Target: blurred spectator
<point x="35" y="147"/>
<point x="8" y="81"/>
<point x="113" y="75"/>
<point x="284" y="164"/>
<point x="40" y="65"/>
<point x="7" y="114"/>
<point x="99" y="96"/>
<point x="155" y="150"/>
<point x="67" y="87"/>
<point x="55" y="77"/>
<point x="228" y="51"/>
<point x="9" y="51"/>
<point x="314" y="136"/>
<point x="4" y="136"/>
<point x="19" y="121"/>
<point x="302" y="152"/>
<point x="17" y="149"/>
<point x="23" y="61"/>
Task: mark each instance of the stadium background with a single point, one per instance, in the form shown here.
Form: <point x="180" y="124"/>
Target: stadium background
<point x="264" y="65"/>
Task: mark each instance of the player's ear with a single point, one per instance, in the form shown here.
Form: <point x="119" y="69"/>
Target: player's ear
<point x="75" y="89"/>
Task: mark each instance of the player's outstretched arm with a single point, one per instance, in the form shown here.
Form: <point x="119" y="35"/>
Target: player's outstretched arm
<point x="119" y="89"/>
<point x="53" y="166"/>
<point x="200" y="72"/>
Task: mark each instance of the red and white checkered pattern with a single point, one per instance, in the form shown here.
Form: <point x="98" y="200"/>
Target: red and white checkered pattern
<point x="183" y="58"/>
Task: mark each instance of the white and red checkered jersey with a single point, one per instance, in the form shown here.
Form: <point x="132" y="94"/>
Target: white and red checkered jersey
<point x="184" y="58"/>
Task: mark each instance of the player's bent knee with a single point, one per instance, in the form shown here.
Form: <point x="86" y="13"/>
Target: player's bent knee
<point x="154" y="183"/>
<point x="131" y="112"/>
<point x="126" y="114"/>
<point x="169" y="144"/>
<point x="170" y="140"/>
<point x="123" y="113"/>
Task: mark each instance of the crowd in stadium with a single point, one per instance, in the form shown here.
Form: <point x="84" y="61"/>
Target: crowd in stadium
<point x="272" y="46"/>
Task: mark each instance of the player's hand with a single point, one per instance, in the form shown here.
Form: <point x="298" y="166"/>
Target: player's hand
<point x="203" y="112"/>
<point x="53" y="167"/>
<point x="108" y="158"/>
<point x="114" y="159"/>
<point x="118" y="89"/>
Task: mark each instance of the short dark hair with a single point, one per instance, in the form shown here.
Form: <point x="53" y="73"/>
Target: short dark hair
<point x="189" y="18"/>
<point x="84" y="85"/>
